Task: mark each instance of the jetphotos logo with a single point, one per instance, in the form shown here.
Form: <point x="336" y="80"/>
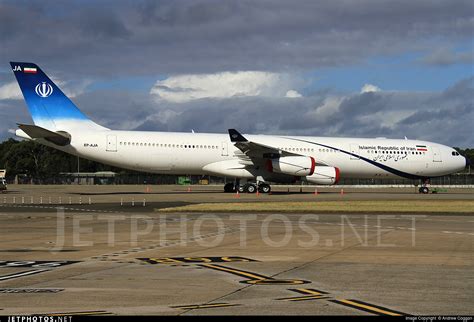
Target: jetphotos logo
<point x="44" y="89"/>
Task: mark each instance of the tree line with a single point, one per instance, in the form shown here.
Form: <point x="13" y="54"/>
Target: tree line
<point x="40" y="162"/>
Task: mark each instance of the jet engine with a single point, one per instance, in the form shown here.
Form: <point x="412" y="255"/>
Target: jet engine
<point x="293" y="165"/>
<point x="324" y="175"/>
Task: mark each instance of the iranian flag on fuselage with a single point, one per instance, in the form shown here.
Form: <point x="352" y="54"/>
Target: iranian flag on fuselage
<point x="30" y="70"/>
<point x="421" y="148"/>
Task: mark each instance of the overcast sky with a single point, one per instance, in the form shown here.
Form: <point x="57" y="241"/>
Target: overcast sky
<point x="326" y="68"/>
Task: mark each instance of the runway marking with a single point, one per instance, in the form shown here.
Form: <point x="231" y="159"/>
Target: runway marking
<point x="367" y="307"/>
<point x="203" y="306"/>
<point x="305" y="298"/>
<point x="254" y="278"/>
<point x="312" y="294"/>
<point x="35" y="264"/>
<point x="30" y="290"/>
<point x="311" y="291"/>
<point x="41" y="266"/>
<point x="457" y="232"/>
<point x="17" y="275"/>
<point x="79" y="313"/>
<point x="193" y="260"/>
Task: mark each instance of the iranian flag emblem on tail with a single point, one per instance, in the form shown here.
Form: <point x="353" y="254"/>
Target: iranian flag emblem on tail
<point x="30" y="70"/>
<point x="421" y="148"/>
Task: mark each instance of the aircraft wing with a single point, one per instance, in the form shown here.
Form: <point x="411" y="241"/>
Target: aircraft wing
<point x="256" y="150"/>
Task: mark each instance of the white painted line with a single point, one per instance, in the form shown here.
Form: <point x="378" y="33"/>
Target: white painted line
<point x="16" y="275"/>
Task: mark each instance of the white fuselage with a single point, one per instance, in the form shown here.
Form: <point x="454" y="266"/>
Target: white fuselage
<point x="60" y="124"/>
<point x="202" y="153"/>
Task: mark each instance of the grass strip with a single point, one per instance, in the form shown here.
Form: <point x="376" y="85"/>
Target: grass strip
<point x="392" y="206"/>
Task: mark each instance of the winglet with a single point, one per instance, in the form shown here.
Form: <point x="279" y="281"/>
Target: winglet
<point x="235" y="136"/>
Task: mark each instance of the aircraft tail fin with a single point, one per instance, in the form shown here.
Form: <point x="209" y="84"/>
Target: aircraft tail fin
<point x="49" y="107"/>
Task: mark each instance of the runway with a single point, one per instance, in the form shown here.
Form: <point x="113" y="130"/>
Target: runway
<point x="109" y="257"/>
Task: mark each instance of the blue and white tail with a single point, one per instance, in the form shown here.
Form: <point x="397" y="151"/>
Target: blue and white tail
<point x="48" y="106"/>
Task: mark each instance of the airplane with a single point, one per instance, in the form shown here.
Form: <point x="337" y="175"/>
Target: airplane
<point x="257" y="160"/>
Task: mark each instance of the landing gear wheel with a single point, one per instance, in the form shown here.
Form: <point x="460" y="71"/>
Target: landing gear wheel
<point x="250" y="188"/>
<point x="424" y="190"/>
<point x="229" y="187"/>
<point x="264" y="188"/>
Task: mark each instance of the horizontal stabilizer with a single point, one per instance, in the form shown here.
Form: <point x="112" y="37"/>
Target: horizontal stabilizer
<point x="35" y="132"/>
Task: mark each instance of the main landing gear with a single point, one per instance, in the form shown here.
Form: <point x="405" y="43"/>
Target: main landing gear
<point x="248" y="187"/>
<point x="424" y="188"/>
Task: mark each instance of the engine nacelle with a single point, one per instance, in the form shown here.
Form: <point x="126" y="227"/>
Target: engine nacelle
<point x="324" y="175"/>
<point x="295" y="165"/>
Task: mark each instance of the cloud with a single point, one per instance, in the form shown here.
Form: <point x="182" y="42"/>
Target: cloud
<point x="368" y="88"/>
<point x="293" y="94"/>
<point x="185" y="88"/>
<point x="444" y="116"/>
<point x="203" y="51"/>
<point x="148" y="37"/>
<point x="446" y="57"/>
<point x="10" y="91"/>
<point x="71" y="89"/>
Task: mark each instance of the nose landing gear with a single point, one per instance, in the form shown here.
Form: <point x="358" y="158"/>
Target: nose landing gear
<point x="424" y="188"/>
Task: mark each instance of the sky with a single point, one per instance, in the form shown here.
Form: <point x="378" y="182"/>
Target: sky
<point x="366" y="68"/>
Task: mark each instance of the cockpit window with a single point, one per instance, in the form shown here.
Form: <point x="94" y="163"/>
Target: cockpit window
<point x="455" y="153"/>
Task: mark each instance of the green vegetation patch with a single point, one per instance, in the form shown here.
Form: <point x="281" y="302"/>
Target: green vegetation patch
<point x="392" y="206"/>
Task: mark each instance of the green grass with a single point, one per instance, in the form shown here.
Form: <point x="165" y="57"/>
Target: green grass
<point x="392" y="206"/>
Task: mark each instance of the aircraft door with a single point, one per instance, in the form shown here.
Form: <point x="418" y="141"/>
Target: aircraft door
<point x="436" y="155"/>
<point x="355" y="151"/>
<point x="111" y="143"/>
<point x="224" y="149"/>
